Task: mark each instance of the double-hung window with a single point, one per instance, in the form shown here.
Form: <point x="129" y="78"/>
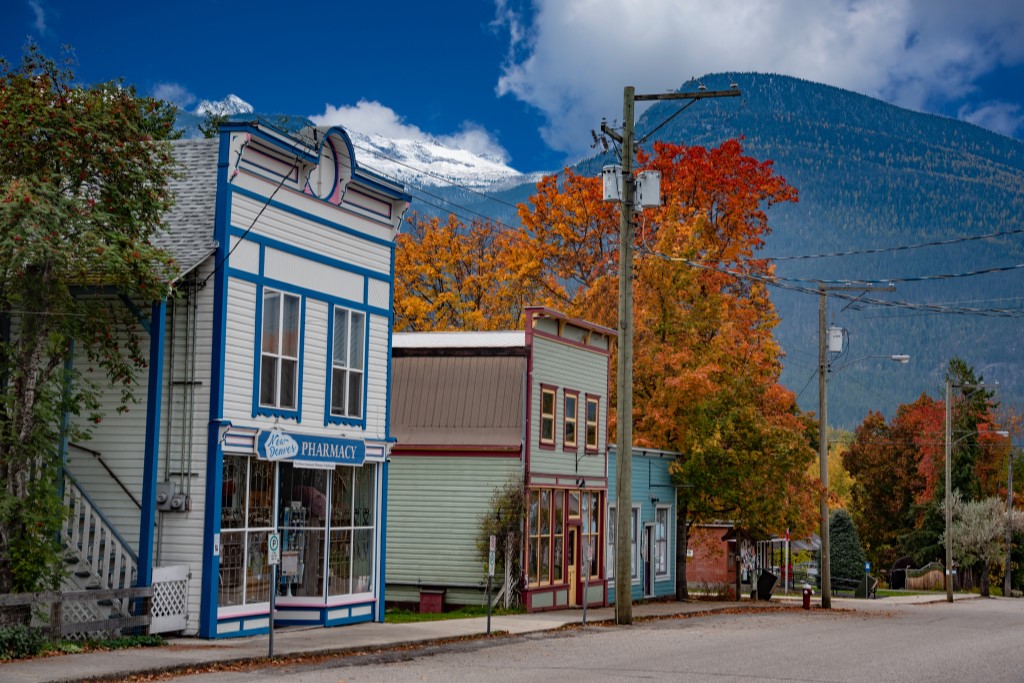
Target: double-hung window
<point x="348" y="362"/>
<point x="569" y="420"/>
<point x="547" y="416"/>
<point x="279" y="350"/>
<point x="661" y="528"/>
<point x="593" y="415"/>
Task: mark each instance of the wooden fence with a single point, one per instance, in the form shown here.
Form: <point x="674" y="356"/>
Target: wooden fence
<point x="137" y="600"/>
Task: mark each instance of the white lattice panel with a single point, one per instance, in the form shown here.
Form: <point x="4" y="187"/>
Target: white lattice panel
<point x="169" y="610"/>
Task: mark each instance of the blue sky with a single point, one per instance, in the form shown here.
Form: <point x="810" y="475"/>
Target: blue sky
<point x="526" y="81"/>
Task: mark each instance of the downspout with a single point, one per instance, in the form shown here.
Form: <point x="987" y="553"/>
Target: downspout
<point x="170" y="424"/>
<point x="151" y="462"/>
<point x="65" y="421"/>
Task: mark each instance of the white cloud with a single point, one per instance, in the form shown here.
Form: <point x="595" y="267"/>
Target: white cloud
<point x="373" y="118"/>
<point x="176" y="94"/>
<point x="40" y="13"/>
<point x="1002" y="117"/>
<point x="571" y="58"/>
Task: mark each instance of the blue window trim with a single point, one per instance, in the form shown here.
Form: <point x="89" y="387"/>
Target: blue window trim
<point x="265" y="242"/>
<point x="307" y="293"/>
<point x="330" y="419"/>
<point x="269" y="411"/>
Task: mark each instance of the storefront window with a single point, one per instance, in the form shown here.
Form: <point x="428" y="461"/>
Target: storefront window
<point x="245" y="522"/>
<point x="590" y="529"/>
<point x="326" y="520"/>
<point x="351" y="558"/>
<point x="301" y="518"/>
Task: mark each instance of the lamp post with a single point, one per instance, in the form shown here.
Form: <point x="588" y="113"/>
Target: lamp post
<point x="1007" y="587"/>
<point x="949" y="479"/>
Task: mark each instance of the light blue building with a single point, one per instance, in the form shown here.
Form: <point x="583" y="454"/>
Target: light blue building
<point x="652" y="549"/>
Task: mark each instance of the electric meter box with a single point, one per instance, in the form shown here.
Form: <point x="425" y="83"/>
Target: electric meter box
<point x="648" y="189"/>
<point x="835" y="340"/>
<point x="612" y="177"/>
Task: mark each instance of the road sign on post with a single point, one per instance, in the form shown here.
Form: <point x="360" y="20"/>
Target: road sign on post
<point x="274" y="549"/>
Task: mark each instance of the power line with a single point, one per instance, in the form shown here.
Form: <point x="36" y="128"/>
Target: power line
<point x="904" y="247"/>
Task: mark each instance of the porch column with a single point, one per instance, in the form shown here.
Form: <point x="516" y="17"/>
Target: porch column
<point x="147" y="520"/>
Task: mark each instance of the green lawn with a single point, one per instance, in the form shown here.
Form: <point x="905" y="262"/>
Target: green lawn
<point x="403" y="616"/>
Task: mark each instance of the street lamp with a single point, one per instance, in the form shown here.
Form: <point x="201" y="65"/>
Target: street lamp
<point x="949" y="479"/>
<point x="1007" y="588"/>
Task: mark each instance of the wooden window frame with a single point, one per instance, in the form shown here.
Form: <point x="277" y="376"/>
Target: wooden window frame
<point x="547" y="418"/>
<point x="568" y="419"/>
<point x="596" y="423"/>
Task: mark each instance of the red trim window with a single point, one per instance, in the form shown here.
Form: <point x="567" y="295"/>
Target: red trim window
<point x="570" y="417"/>
<point x="547" y="415"/>
<point x="593" y="418"/>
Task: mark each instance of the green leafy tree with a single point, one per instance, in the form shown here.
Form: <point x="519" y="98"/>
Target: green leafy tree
<point x="210" y="126"/>
<point x="504" y="520"/>
<point x="847" y="555"/>
<point x="83" y="187"/>
<point x="978" y="533"/>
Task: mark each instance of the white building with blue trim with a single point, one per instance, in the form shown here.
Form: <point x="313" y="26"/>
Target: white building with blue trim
<point x="268" y="389"/>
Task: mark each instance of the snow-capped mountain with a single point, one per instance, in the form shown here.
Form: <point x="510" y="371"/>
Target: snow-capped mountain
<point x="230" y="105"/>
<point x="430" y="163"/>
<point x="418" y="163"/>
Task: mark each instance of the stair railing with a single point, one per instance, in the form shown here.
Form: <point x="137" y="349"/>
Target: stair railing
<point x="94" y="539"/>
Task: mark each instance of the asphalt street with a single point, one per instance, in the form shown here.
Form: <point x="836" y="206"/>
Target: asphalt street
<point x="975" y="640"/>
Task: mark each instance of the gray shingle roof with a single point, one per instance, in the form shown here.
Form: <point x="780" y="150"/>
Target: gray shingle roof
<point x="188" y="230"/>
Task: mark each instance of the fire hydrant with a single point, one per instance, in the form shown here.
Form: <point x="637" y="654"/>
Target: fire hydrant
<point x="807" y="596"/>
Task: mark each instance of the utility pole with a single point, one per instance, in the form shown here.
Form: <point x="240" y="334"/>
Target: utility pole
<point x="826" y="560"/>
<point x="949" y="486"/>
<point x="624" y="386"/>
<point x="624" y="381"/>
<point x="1007" y="576"/>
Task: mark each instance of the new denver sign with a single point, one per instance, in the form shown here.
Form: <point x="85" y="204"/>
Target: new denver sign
<point x="309" y="451"/>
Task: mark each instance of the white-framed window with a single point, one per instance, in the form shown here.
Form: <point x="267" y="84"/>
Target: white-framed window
<point x="609" y="541"/>
<point x="569" y="418"/>
<point x="634" y="533"/>
<point x="662" y="528"/>
<point x="634" y="550"/>
<point x="348" y="363"/>
<point x="547" y="416"/>
<point x="592" y="420"/>
<point x="246" y="520"/>
<point x="279" y="350"/>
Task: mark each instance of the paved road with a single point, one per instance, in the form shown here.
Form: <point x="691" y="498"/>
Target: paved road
<point x="973" y="640"/>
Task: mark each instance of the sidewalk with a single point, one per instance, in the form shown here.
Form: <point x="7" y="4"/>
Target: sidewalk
<point x="183" y="653"/>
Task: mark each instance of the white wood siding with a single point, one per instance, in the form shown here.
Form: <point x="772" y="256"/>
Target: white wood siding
<point x="184" y="443"/>
<point x="314" y="362"/>
<point x="239" y="358"/>
<point x="377" y="378"/>
<point x="280" y="224"/>
<point x="318" y="277"/>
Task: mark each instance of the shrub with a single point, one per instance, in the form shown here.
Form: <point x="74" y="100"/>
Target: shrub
<point x="20" y="641"/>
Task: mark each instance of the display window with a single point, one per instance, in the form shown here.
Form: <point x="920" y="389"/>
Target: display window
<point x="326" y="518"/>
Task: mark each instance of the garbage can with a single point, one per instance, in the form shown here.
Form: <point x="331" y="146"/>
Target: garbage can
<point x="765" y="585"/>
<point x="807" y="596"/>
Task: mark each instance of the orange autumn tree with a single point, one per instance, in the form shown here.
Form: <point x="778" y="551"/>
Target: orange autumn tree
<point x="452" y="277"/>
<point x="744" y="448"/>
<point x="706" y="362"/>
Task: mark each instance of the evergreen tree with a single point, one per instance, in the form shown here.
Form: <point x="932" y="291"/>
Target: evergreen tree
<point x="845" y="550"/>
